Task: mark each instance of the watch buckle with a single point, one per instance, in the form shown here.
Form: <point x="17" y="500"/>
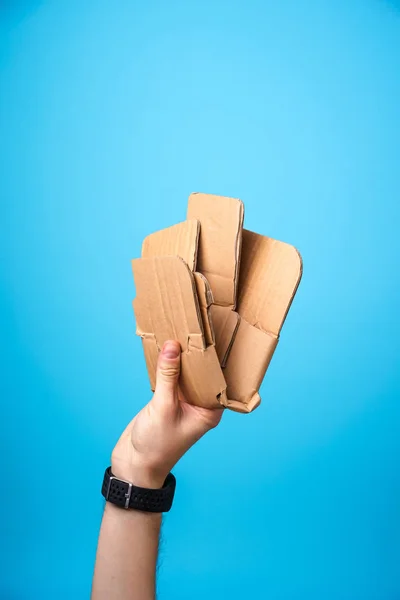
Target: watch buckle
<point x="127" y="494"/>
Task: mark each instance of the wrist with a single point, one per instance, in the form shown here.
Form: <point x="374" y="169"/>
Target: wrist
<point x="139" y="474"/>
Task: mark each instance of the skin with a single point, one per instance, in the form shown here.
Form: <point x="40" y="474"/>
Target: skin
<point x="146" y="452"/>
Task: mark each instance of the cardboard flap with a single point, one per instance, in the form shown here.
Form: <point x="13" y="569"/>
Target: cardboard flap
<point x="178" y="240"/>
<point x="182" y="240"/>
<point x="205" y="297"/>
<point x="166" y="307"/>
<point x="225" y="322"/>
<point x="270" y="273"/>
<point x="221" y="220"/>
<point x="202" y="382"/>
<point x="166" y="302"/>
<point x="249" y="358"/>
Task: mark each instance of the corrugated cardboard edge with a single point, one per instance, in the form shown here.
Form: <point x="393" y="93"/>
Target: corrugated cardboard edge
<point x="238" y="251"/>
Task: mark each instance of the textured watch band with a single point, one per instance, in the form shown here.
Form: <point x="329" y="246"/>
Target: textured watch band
<point x="126" y="495"/>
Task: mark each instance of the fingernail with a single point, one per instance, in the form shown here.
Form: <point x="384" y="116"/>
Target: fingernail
<point x="171" y="350"/>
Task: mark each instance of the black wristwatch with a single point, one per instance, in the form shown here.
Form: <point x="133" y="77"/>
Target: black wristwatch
<point x="126" y="495"/>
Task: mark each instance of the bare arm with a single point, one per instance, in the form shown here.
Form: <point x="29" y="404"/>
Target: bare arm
<point x="144" y="455"/>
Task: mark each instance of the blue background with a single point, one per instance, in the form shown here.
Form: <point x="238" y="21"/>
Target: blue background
<point x="111" y="114"/>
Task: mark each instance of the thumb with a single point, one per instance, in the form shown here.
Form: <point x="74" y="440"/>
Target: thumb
<point x="168" y="368"/>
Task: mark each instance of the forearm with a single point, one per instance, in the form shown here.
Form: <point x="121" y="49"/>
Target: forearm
<point x="145" y="453"/>
<point x="126" y="555"/>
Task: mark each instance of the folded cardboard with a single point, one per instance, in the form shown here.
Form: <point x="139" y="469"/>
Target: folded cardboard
<point x="182" y="240"/>
<point x="188" y="283"/>
<point x="205" y="297"/>
<point x="173" y="302"/>
<point x="221" y="223"/>
<point x="269" y="277"/>
<point x="221" y="220"/>
<point x="166" y="307"/>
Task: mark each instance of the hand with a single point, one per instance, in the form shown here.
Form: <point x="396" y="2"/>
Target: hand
<point x="163" y="430"/>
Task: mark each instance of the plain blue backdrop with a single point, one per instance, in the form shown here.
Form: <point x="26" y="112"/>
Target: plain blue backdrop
<point x="111" y="114"/>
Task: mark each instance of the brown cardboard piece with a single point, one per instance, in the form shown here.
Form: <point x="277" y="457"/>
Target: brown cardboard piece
<point x="166" y="307"/>
<point x="176" y="302"/>
<point x="182" y="240"/>
<point x="221" y="220"/>
<point x="269" y="277"/>
<point x="178" y="240"/>
<point x="270" y="272"/>
<point x="172" y="302"/>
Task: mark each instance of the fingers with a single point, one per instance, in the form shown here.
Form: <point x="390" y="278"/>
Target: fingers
<point x="168" y="369"/>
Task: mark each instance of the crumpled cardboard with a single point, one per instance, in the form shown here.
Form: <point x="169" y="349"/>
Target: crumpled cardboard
<point x="189" y="281"/>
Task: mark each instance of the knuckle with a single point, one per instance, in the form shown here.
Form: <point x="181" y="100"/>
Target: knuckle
<point x="168" y="372"/>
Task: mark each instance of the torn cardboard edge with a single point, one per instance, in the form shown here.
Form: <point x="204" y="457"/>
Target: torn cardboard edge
<point x="181" y="240"/>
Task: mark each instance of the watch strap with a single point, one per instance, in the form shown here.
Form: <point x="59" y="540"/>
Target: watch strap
<point x="126" y="495"/>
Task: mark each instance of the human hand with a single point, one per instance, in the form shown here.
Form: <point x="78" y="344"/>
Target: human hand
<point x="163" y="430"/>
